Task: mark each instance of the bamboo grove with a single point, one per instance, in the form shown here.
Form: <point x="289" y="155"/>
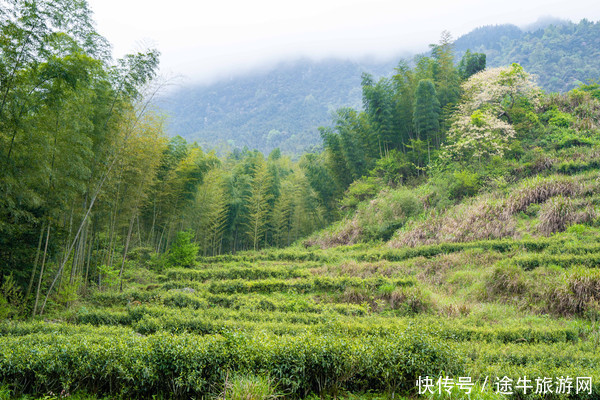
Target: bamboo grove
<point x="89" y="180"/>
<point x="404" y="121"/>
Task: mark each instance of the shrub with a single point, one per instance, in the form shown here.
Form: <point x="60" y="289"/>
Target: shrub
<point x="187" y="366"/>
<point x="538" y="190"/>
<point x="377" y="219"/>
<point x="10" y="298"/>
<point x="482" y="218"/>
<point x="556" y="214"/>
<point x="248" y="387"/>
<point x="411" y="300"/>
<point x="183" y="252"/>
<point x="184" y="300"/>
<point x="464" y="184"/>
<point x="359" y="191"/>
<point x="559" y="212"/>
<point x="558" y="118"/>
<point x="382" y="216"/>
<point x="506" y="280"/>
<point x="578" y="294"/>
<point x="141" y="255"/>
<point x="394" y="168"/>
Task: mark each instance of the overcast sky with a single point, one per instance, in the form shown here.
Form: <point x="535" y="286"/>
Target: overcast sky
<point x="206" y="39"/>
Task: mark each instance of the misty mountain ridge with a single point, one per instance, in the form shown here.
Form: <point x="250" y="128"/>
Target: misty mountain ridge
<point x="282" y="106"/>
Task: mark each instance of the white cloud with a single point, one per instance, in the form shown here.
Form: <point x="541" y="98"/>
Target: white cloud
<point x="205" y="39"/>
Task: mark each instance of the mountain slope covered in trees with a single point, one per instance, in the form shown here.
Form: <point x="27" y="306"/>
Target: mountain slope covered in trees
<point x="561" y="55"/>
<point x="285" y="106"/>
<point x="264" y="110"/>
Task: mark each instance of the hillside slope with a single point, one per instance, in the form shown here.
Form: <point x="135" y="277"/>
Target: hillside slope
<point x="487" y="270"/>
<point x="352" y="322"/>
<point x="531" y="174"/>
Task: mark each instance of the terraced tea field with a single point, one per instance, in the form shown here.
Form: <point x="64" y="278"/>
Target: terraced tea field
<point x="344" y="322"/>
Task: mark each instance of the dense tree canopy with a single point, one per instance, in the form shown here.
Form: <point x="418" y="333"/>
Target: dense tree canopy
<point x="405" y="118"/>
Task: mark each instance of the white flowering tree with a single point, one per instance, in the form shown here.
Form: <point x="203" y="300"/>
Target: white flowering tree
<point x="482" y="126"/>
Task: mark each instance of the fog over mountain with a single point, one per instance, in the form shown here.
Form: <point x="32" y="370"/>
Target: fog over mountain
<point x="282" y="105"/>
<point x="207" y="41"/>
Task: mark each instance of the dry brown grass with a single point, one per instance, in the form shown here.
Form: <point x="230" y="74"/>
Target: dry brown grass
<point x="355" y="296"/>
<point x="357" y="269"/>
<point x="579" y="294"/>
<point x="410" y="300"/>
<point x="538" y="190"/>
<point x="556" y="214"/>
<point x="366" y="270"/>
<point x="507" y="282"/>
<point x="484" y="218"/>
<point x="454" y="310"/>
<point x="435" y="271"/>
<point x="560" y="212"/>
<point x="349" y="232"/>
<point x="488" y="217"/>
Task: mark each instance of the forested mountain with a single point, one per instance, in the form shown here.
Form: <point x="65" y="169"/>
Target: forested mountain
<point x="561" y="55"/>
<point x="281" y="107"/>
<point x="284" y="106"/>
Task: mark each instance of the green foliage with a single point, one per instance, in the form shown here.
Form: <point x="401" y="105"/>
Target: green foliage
<point x="248" y="388"/>
<point x="542" y="50"/>
<point x="402" y="115"/>
<point x="258" y="202"/>
<point x="185" y="365"/>
<point x="251" y="110"/>
<point x="507" y="280"/>
<point x="471" y="63"/>
<point x="464" y="184"/>
<point x="450" y="187"/>
<point x="558" y="118"/>
<point x="482" y="126"/>
<point x="108" y="277"/>
<point x="183" y="252"/>
<point x="427" y="111"/>
<point x="247" y="110"/>
<point x="381" y="217"/>
<point x="359" y="191"/>
<point x="479" y="229"/>
<point x="394" y="169"/>
<point x="322" y="323"/>
<point x="10" y="298"/>
<point x="592" y="88"/>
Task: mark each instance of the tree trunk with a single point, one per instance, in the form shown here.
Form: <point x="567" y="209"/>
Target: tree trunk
<point x="125" y="251"/>
<point x="89" y="258"/>
<point x="37" y="295"/>
<point x="37" y="257"/>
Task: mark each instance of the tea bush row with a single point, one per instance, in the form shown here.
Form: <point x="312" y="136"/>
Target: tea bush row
<point x="532" y="261"/>
<point x="429" y="251"/>
<point x="153" y="319"/>
<point x="183" y="366"/>
<point x="249" y="273"/>
<point x="302" y="285"/>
